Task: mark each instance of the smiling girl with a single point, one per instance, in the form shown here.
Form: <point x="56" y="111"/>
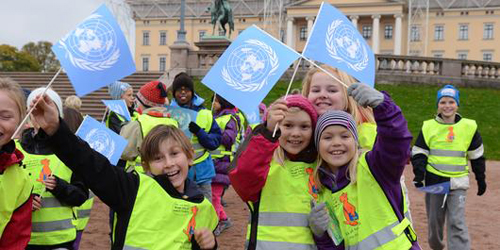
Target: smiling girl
<point x="161" y="209"/>
<point x="362" y="191"/>
<point x="273" y="175"/>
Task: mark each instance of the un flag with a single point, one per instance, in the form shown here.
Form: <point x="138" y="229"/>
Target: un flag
<point x="249" y="68"/>
<point x="95" y="53"/>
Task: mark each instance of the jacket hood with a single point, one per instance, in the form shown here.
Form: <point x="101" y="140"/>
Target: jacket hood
<point x="33" y="146"/>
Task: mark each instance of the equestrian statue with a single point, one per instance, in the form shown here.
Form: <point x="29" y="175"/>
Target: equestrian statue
<point x="221" y="13"/>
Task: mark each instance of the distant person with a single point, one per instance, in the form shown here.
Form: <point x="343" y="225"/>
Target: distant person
<point x="441" y="154"/>
<point x="73" y="102"/>
<point x="120" y="91"/>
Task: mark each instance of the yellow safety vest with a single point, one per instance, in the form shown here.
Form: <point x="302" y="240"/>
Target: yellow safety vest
<point x="367" y="132"/>
<point x="147" y="123"/>
<point x="15" y="190"/>
<point x="241" y="129"/>
<point x="365" y="216"/>
<point x="159" y="221"/>
<point x="53" y="223"/>
<point x="204" y="120"/>
<point x="284" y="207"/>
<point x="221" y="151"/>
<point x="82" y="213"/>
<point x="448" y="145"/>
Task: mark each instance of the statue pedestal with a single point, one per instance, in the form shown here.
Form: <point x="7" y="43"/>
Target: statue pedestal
<point x="210" y="49"/>
<point x="179" y="53"/>
<point x="213" y="43"/>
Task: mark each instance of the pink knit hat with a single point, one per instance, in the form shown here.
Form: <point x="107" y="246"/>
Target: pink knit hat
<point x="304" y="104"/>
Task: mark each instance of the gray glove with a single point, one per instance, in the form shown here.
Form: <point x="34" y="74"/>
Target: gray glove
<point x="365" y="95"/>
<point x="318" y="219"/>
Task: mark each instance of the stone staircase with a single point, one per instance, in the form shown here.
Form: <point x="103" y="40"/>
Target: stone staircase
<point x="91" y="103"/>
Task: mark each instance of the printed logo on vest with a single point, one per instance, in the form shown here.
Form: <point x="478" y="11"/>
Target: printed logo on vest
<point x="350" y="214"/>
<point x="192" y="224"/>
<point x="313" y="189"/>
<point x="46" y="172"/>
<point x="451" y="136"/>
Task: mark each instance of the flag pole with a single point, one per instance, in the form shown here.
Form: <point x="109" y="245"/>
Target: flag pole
<point x="288" y="89"/>
<point x="32" y="108"/>
<point x="325" y="71"/>
<point x="213" y="102"/>
<point x="105" y="113"/>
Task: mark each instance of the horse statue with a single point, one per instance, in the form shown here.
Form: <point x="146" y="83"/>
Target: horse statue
<point x="221" y="13"/>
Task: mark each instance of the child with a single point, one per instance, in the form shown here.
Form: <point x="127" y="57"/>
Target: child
<point x="56" y="189"/>
<point x="73" y="102"/>
<point x="440" y="154"/>
<point x="273" y="175"/>
<point x="15" y="185"/>
<point x="206" y="132"/>
<point x="363" y="192"/>
<point x="325" y="93"/>
<point x="120" y="91"/>
<point x="226" y="117"/>
<point x="160" y="210"/>
<point x="151" y="100"/>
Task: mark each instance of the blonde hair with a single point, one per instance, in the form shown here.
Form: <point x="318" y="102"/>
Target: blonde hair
<point x="359" y="113"/>
<point x="150" y="146"/>
<point x="351" y="168"/>
<point x="73" y="102"/>
<point x="279" y="153"/>
<point x="16" y="94"/>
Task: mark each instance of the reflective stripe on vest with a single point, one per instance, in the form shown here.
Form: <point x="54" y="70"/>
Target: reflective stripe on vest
<point x="84" y="213"/>
<point x="50" y="202"/>
<point x="51" y="226"/>
<point x="284" y="207"/>
<point x="448" y="145"/>
<point x="380" y="237"/>
<point x="133" y="248"/>
<point x="221" y="151"/>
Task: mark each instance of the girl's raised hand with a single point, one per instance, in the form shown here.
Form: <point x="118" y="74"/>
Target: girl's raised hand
<point x="276" y="113"/>
<point x="205" y="238"/>
<point x="50" y="183"/>
<point x="45" y="114"/>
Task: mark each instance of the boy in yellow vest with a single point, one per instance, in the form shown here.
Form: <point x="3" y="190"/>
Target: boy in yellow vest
<point x="440" y="154"/>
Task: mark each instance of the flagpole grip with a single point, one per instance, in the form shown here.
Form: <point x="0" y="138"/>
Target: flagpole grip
<point x="32" y="108"/>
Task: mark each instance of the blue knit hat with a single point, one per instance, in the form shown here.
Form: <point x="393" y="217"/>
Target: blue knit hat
<point x="117" y="89"/>
<point x="449" y="91"/>
<point x="335" y="117"/>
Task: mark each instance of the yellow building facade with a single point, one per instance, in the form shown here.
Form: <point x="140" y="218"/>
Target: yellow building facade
<point x="451" y="29"/>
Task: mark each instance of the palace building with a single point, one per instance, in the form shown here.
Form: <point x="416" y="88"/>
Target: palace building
<point x="460" y="29"/>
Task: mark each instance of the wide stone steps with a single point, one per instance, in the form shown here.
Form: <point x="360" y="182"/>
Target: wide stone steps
<point x="91" y="103"/>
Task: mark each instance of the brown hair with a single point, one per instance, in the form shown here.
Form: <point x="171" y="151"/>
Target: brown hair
<point x="150" y="146"/>
<point x="73" y="118"/>
<point x="16" y="94"/>
<point x="359" y="113"/>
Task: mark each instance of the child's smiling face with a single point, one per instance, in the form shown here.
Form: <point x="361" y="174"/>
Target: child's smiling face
<point x="172" y="161"/>
<point x="326" y="94"/>
<point x="447" y="107"/>
<point x="9" y="117"/>
<point x="183" y="95"/>
<point x="296" y="132"/>
<point x="337" y="146"/>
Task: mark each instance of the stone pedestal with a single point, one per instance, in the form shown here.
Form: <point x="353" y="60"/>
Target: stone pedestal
<point x="179" y="53"/>
<point x="210" y="49"/>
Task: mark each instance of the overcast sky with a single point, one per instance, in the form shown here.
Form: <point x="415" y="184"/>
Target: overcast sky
<point x="23" y="21"/>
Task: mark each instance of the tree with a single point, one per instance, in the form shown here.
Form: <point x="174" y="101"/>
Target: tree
<point x="13" y="60"/>
<point x="42" y="52"/>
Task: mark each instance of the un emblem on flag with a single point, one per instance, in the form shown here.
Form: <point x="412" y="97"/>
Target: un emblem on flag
<point x="344" y="46"/>
<point x="92" y="45"/>
<point x="249" y="66"/>
<point x="101" y="142"/>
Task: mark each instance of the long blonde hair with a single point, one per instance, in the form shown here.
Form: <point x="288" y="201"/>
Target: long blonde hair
<point x="351" y="168"/>
<point x="16" y="94"/>
<point x="359" y="113"/>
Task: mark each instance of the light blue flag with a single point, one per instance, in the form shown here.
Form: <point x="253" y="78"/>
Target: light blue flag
<point x="249" y="68"/>
<point x="119" y="107"/>
<point x="183" y="116"/>
<point x="253" y="117"/>
<point x="102" y="139"/>
<point x="336" y="42"/>
<point x="95" y="53"/>
<point x="441" y="188"/>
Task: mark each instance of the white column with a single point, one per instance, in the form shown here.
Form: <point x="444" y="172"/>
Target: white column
<point x="354" y="20"/>
<point x="375" y="35"/>
<point x="398" y="34"/>
<point x="289" y="32"/>
<point x="310" y="21"/>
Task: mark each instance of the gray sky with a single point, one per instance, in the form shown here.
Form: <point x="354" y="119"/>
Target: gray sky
<point x="23" y="21"/>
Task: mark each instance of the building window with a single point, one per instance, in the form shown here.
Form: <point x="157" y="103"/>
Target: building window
<point x="388" y="32"/>
<point x="488" y="31"/>
<point x="201" y="34"/>
<point x="463" y="32"/>
<point x="303" y="33"/>
<point x="487" y="56"/>
<point x="415" y="33"/>
<point x="414" y="52"/>
<point x="462" y="55"/>
<point x="163" y="38"/>
<point x="438" y="54"/>
<point x="145" y="38"/>
<point x="367" y="31"/>
<point x="163" y="63"/>
<point x="439" y="33"/>
<point x="145" y="64"/>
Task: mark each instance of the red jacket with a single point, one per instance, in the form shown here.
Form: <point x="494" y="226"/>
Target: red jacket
<point x="16" y="234"/>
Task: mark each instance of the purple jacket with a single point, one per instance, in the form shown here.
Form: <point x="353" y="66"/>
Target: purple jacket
<point x="229" y="134"/>
<point x="386" y="160"/>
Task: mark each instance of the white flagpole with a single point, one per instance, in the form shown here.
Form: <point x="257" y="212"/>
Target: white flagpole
<point x="31" y="109"/>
